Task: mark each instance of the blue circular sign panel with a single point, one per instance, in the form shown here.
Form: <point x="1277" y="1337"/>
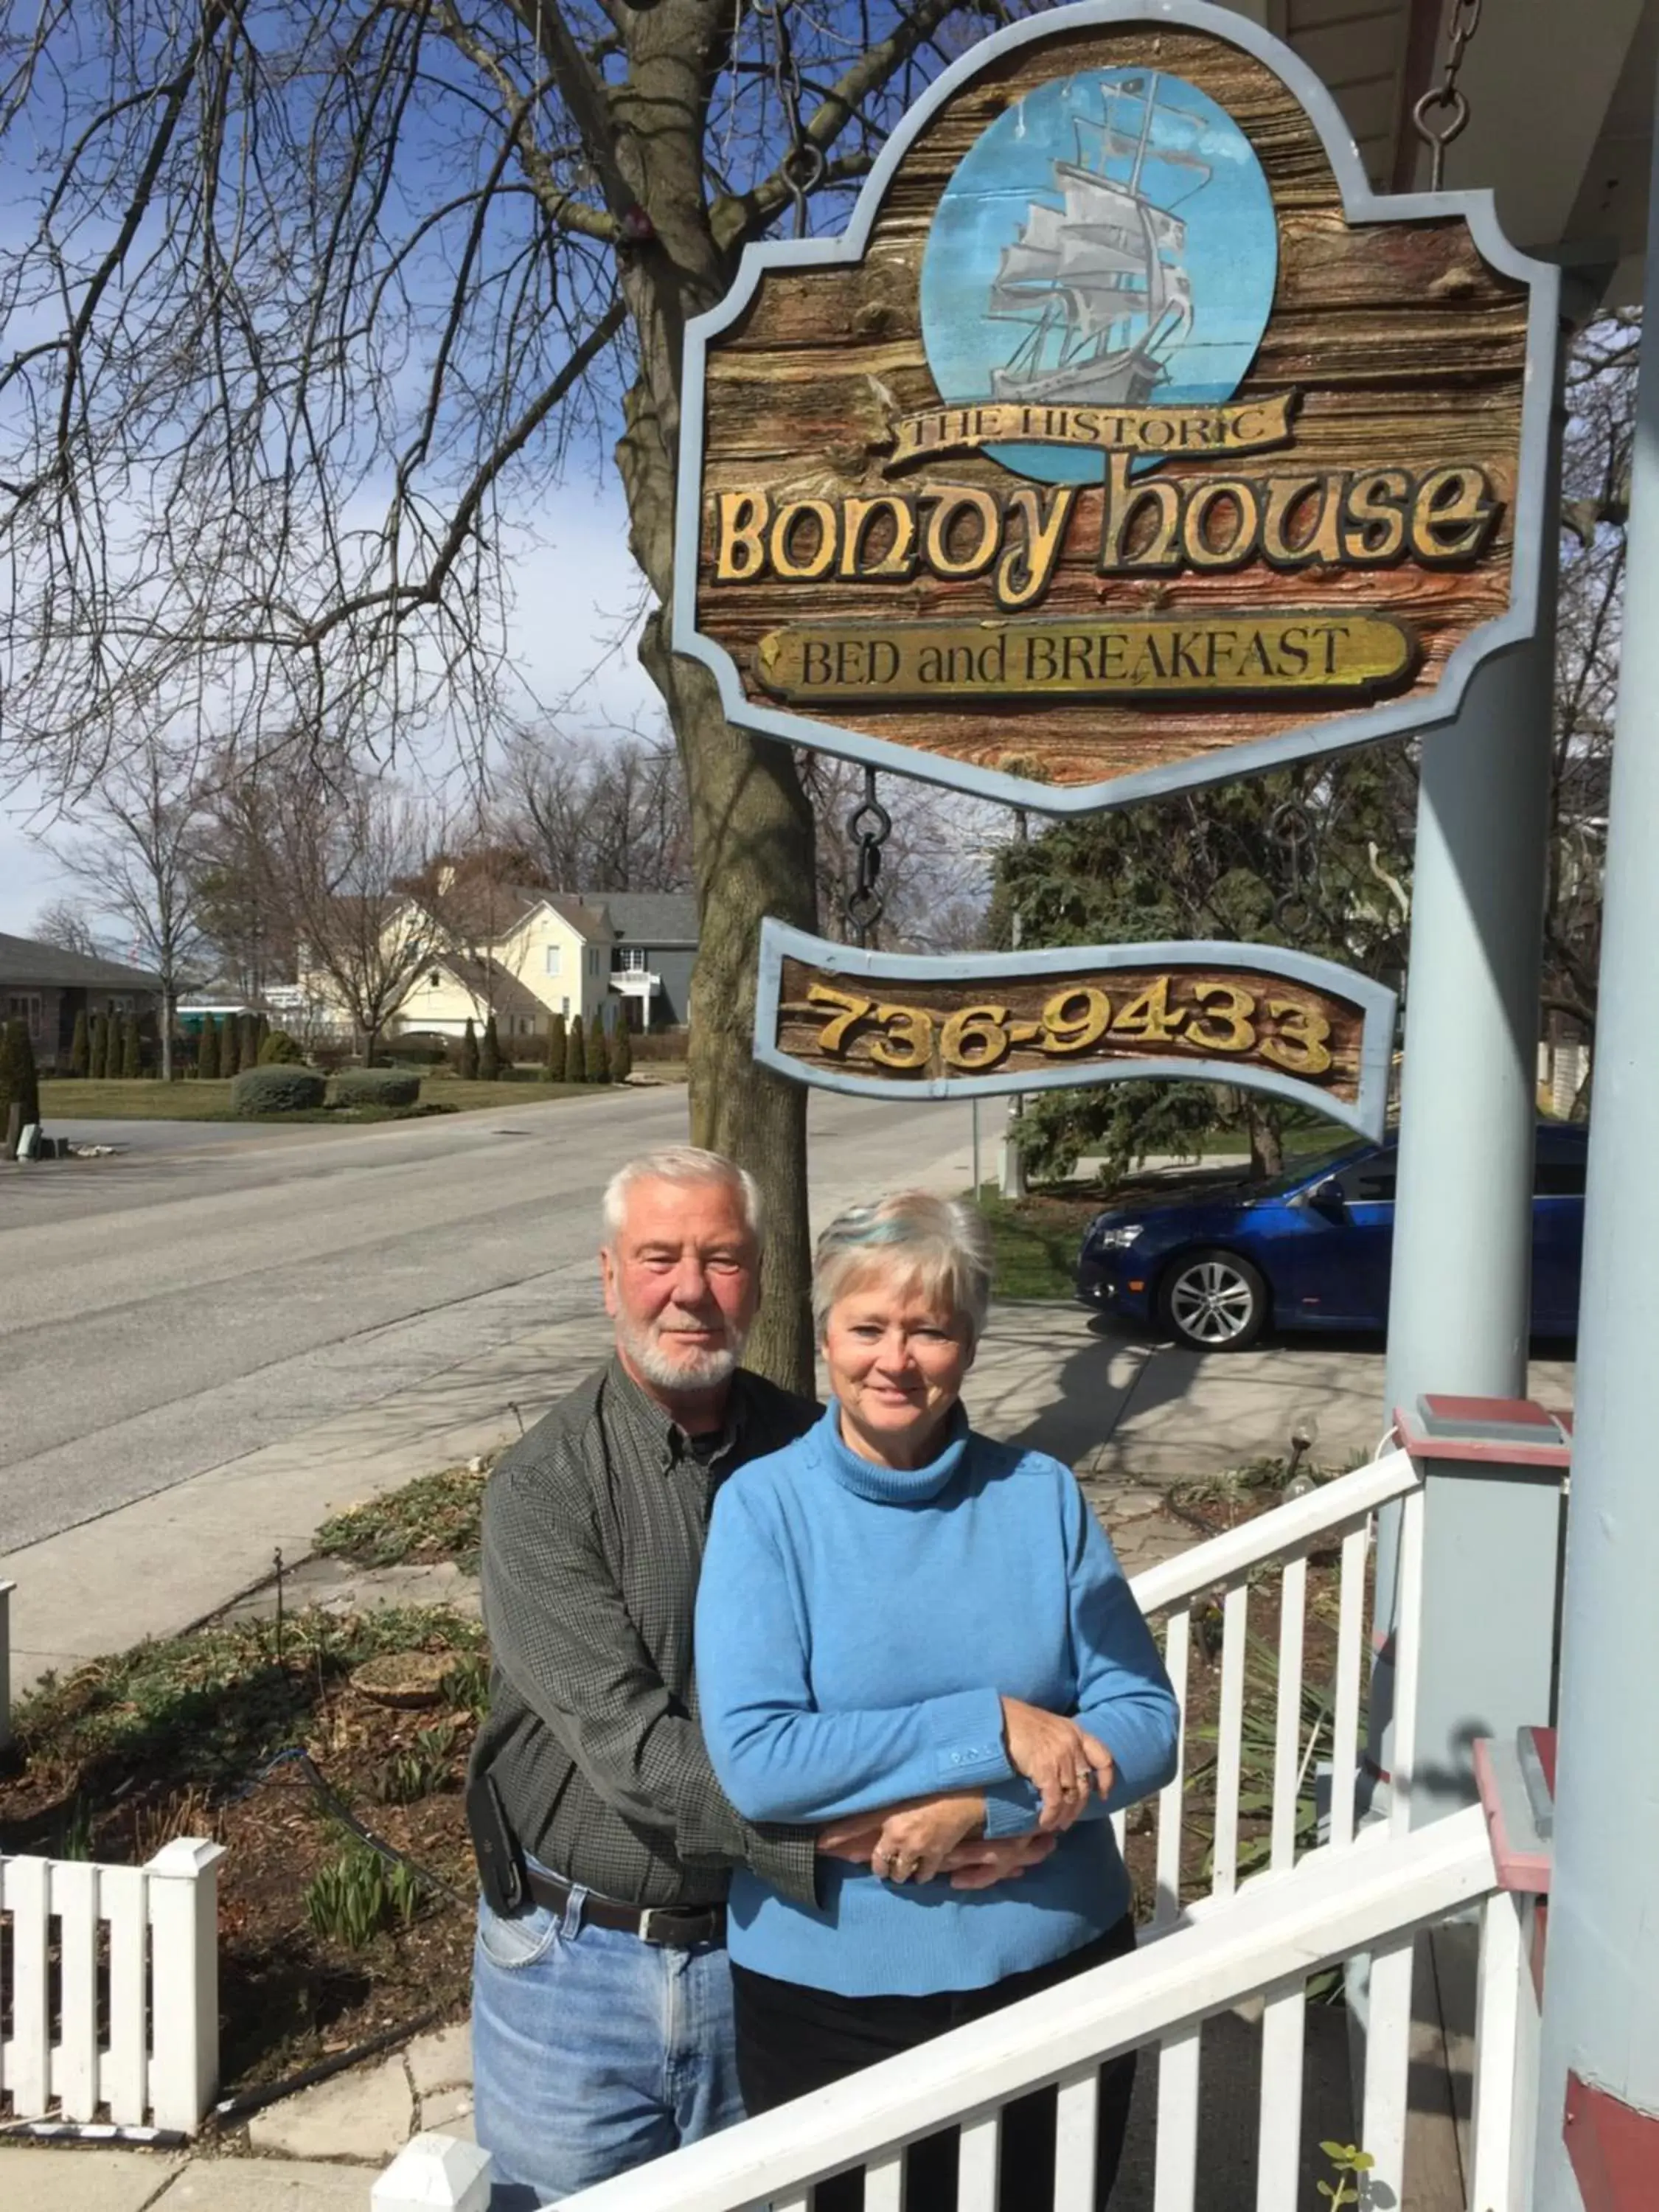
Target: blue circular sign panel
<point x="1110" y="241"/>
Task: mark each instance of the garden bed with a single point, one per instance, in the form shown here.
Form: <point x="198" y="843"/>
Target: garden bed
<point x="321" y="1944"/>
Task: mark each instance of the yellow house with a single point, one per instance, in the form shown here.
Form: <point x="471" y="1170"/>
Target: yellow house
<point x="550" y="955"/>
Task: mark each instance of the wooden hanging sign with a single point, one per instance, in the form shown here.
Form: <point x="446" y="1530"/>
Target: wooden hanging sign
<point x="1260" y="1016"/>
<point x="1124" y="440"/>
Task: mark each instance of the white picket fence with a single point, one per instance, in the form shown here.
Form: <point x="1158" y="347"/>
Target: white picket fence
<point x="109" y="1977"/>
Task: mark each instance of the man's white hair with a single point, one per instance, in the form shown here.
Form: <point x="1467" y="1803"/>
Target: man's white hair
<point x="682" y="1164"/>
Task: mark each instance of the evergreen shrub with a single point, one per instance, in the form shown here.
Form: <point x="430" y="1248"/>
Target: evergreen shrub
<point x="277" y="1091"/>
<point x="132" y="1066"/>
<point x="490" y="1054"/>
<point x="207" y="1051"/>
<point x="280" y="1050"/>
<point x="575" y="1053"/>
<point x="80" y="1048"/>
<point x="622" y="1053"/>
<point x="599" y="1056"/>
<point x="18" y="1083"/>
<point x="466" y="1060"/>
<point x="373" y="1086"/>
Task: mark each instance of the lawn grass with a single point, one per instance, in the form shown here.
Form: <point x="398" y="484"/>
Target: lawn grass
<point x="209" y="1100"/>
<point x="1036" y="1240"/>
<point x="436" y="1517"/>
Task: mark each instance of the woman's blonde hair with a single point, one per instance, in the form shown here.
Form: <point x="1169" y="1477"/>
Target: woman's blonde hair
<point x="940" y="1244"/>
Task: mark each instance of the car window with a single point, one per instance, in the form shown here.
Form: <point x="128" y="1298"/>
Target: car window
<point x="1367" y="1180"/>
<point x="1558" y="1179"/>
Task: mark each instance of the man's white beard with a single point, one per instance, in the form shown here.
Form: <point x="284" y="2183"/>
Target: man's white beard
<point x="654" y="1351"/>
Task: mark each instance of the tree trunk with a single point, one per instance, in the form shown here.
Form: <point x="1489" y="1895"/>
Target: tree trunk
<point x="751" y="840"/>
<point x="166" y="1031"/>
<point x="1267" y="1152"/>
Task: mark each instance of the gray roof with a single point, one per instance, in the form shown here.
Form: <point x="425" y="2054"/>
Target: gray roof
<point x="649" y="917"/>
<point x="26" y="963"/>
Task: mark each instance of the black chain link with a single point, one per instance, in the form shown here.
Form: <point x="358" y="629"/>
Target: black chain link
<point x="802" y="168"/>
<point x="869" y="825"/>
<point x="1291" y="827"/>
<point x="1447" y="97"/>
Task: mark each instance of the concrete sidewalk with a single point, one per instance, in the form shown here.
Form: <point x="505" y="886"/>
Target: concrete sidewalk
<point x="1122" y="1412"/>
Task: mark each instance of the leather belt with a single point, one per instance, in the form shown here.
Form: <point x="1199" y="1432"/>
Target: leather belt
<point x="678" y="1926"/>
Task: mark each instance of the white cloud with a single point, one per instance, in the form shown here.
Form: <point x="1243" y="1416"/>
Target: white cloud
<point x="577" y="597"/>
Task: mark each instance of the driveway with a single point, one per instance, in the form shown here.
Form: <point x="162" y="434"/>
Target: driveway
<point x="1134" y="1410"/>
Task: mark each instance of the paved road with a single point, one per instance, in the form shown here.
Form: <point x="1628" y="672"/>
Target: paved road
<point x="169" y="1309"/>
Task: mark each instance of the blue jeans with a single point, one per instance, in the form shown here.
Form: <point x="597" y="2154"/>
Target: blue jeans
<point x="592" y="2052"/>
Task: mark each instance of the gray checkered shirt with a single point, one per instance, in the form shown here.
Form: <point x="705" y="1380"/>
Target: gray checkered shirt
<point x="593" y="1532"/>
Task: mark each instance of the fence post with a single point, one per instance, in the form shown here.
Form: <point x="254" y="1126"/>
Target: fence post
<point x="6" y="1590"/>
<point x="434" y="2173"/>
<point x="183" y="1885"/>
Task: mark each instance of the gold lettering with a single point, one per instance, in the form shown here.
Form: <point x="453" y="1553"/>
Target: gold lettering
<point x="857" y="517"/>
<point x="1235" y="548"/>
<point x="739" y="548"/>
<point x="1375" y="516"/>
<point x="781" y="543"/>
<point x="1027" y="567"/>
<point x="1123" y="506"/>
<point x="953" y="500"/>
<point x="1285" y="495"/>
<point x="1452" y="516"/>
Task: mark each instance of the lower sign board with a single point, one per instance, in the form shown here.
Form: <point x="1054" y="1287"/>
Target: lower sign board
<point x="1256" y="1015"/>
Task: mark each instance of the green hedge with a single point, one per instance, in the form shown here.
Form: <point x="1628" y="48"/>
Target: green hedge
<point x="373" y="1086"/>
<point x="276" y="1090"/>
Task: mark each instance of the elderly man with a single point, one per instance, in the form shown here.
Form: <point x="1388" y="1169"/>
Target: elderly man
<point x="602" y="2006"/>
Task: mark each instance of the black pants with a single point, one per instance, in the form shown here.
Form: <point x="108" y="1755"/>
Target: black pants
<point x="791" y="2040"/>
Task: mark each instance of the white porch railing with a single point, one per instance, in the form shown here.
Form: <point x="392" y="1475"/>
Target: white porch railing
<point x="1217" y="1935"/>
<point x="1270" y="1936"/>
<point x="109" y="1977"/>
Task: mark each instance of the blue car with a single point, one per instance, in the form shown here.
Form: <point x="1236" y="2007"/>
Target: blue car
<point x="1310" y="1250"/>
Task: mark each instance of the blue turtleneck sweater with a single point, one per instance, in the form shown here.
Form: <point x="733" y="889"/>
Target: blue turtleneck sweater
<point x="856" y="1626"/>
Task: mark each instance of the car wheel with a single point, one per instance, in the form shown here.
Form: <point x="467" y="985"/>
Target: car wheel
<point x="1214" y="1302"/>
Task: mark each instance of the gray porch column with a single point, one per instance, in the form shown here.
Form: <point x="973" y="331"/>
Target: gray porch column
<point x="1602" y="1966"/>
<point x="1460" y="1291"/>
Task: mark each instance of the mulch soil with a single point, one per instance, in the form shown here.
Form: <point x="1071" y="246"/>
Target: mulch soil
<point x="116" y="1760"/>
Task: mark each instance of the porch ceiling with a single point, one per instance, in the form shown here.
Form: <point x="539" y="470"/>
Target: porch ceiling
<point x="1561" y="111"/>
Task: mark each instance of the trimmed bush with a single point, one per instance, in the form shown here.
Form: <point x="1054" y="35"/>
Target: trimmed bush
<point x="416" y="1048"/>
<point x="575" y="1053"/>
<point x="230" y="1048"/>
<point x="621" y="1053"/>
<point x="466" y="1060"/>
<point x="19" y="1086"/>
<point x="81" y="1048"/>
<point x="131" y="1067"/>
<point x="373" y="1086"/>
<point x="250" y="1040"/>
<point x="276" y="1090"/>
<point x="207" y="1050"/>
<point x="489" y="1055"/>
<point x="598" y="1056"/>
<point x="556" y="1048"/>
<point x="280" y="1050"/>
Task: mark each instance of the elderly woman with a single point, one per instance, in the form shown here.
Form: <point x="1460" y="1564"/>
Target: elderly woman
<point x="920" y="1637"/>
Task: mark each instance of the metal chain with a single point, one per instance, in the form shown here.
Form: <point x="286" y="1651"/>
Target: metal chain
<point x="1291" y="827"/>
<point x="802" y="168"/>
<point x="1446" y="96"/>
<point x="869" y="825"/>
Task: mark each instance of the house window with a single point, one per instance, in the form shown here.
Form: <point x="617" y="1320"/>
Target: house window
<point x="26" y="1007"/>
<point x="629" y="959"/>
<point x="592" y="961"/>
<point x="554" y="955"/>
<point x="434" y="981"/>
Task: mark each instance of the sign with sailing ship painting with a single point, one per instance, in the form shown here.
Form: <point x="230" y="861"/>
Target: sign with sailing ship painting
<point x="1125" y="439"/>
<point x="1257" y="1016"/>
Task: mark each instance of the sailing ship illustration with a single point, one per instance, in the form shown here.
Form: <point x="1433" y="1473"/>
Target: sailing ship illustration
<point x="1101" y="279"/>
